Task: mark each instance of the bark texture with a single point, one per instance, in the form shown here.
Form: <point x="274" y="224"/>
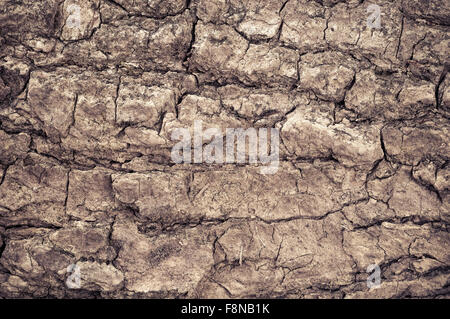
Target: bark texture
<point x="86" y="177"/>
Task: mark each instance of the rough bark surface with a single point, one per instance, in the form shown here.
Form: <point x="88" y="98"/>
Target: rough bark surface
<point x="86" y="176"/>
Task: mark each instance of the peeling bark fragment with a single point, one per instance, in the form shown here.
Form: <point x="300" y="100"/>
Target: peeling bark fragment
<point x="304" y="23"/>
<point x="320" y="138"/>
<point x="254" y="20"/>
<point x="411" y="144"/>
<point x="157" y="9"/>
<point x="147" y="109"/>
<point x="379" y="97"/>
<point x="433" y="11"/>
<point x="174" y="262"/>
<point x="220" y="51"/>
<point x="328" y="81"/>
<point x="89" y="194"/>
<point x="33" y="189"/>
<point x="89" y="19"/>
<point x="13" y="147"/>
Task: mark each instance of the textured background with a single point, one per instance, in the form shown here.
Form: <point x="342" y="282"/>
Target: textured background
<point x="86" y="176"/>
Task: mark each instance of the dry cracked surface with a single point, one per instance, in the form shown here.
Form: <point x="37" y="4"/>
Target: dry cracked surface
<point x="86" y="176"/>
